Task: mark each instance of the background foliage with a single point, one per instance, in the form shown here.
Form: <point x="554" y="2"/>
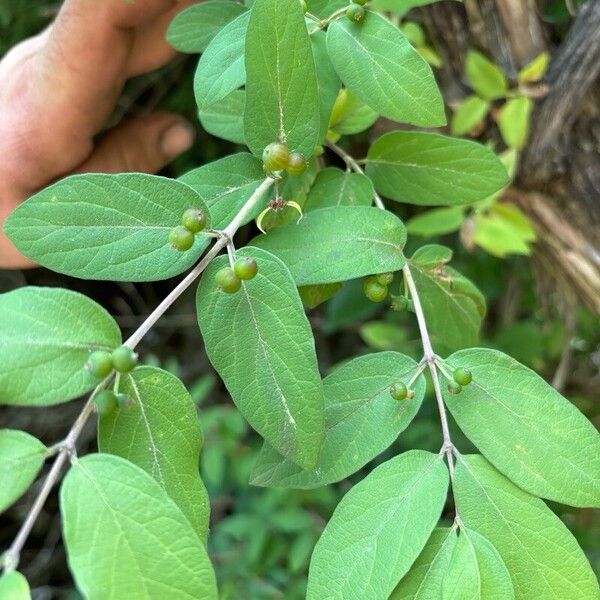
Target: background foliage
<point x="262" y="539"/>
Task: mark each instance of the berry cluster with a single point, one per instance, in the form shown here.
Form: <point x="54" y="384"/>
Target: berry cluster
<point x="461" y="377"/>
<point x="229" y="280"/>
<point x="193" y="221"/>
<point x="101" y="362"/>
<point x="107" y="402"/>
<point x="375" y="287"/>
<point x="277" y="157"/>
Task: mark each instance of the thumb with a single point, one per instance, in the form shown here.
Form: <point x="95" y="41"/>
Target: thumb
<point x="143" y="144"/>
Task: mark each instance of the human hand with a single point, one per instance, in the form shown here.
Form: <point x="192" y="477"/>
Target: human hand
<point x="57" y="90"/>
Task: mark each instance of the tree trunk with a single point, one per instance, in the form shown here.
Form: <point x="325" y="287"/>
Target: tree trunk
<point x="558" y="180"/>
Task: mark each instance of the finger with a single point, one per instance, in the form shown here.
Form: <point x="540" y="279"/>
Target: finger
<point x="84" y="63"/>
<point x="150" y="49"/>
<point x="144" y="144"/>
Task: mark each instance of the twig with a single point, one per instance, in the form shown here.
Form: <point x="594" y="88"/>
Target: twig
<point x="221" y="243"/>
<point x="10" y="559"/>
<point x="430" y="357"/>
<point x="352" y="164"/>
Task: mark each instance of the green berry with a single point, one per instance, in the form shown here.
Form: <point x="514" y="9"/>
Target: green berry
<point x="194" y="220"/>
<point x="462" y="376"/>
<point x="124" y="400"/>
<point x="297" y="164"/>
<point x="106" y="403"/>
<point x="100" y="363"/>
<point x="245" y="268"/>
<point x="228" y="281"/>
<point x="181" y="238"/>
<point x="124" y="359"/>
<point x="385" y="278"/>
<point x="356" y="13"/>
<point x="374" y="291"/>
<point x="276" y="156"/>
<point x="454" y="388"/>
<point x="399" y="391"/>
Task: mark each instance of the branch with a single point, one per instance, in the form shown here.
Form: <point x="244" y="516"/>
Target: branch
<point x="10" y="559"/>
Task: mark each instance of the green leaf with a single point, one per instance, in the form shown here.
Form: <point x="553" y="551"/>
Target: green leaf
<point x="424" y="580"/>
<point x="13" y="586"/>
<point x="429" y="169"/>
<point x="503" y="230"/>
<point x="324" y="8"/>
<point x="438" y="221"/>
<point x="414" y="33"/>
<point x="351" y="115"/>
<point x="461" y="581"/>
<point x="313" y="295"/>
<point x="535" y="70"/>
<point x="399" y="7"/>
<point x="328" y="82"/>
<point x="193" y="28"/>
<point x="452" y="305"/>
<point x="221" y="67"/>
<point x="379" y="528"/>
<point x="431" y="255"/>
<point x="494" y="578"/>
<point x="160" y="433"/>
<point x="526" y="429"/>
<point x="21" y="458"/>
<point x="226" y="185"/>
<point x="125" y="538"/>
<point x="378" y="64"/>
<point x="263" y="330"/>
<point x="381" y="335"/>
<point x="468" y="115"/>
<point x="334" y="187"/>
<point x="476" y="571"/>
<point x="113" y="227"/>
<point x="541" y="555"/>
<point x="47" y="335"/>
<point x="513" y="121"/>
<point x="485" y="77"/>
<point x="345" y="242"/>
<point x="282" y="97"/>
<point x="361" y="421"/>
<point x="225" y="119"/>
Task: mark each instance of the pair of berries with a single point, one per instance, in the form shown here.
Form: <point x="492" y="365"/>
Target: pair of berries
<point x="193" y="221"/>
<point x="229" y="280"/>
<point x="277" y="157"/>
<point x="461" y="377"/>
<point x="101" y="362"/>
<point x="375" y="287"/>
<point x="107" y="402"/>
<point x="399" y="391"/>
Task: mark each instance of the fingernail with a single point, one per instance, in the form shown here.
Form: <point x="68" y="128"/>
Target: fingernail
<point x="177" y="139"/>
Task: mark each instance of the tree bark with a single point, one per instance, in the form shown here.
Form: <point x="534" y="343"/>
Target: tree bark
<point x="558" y="180"/>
